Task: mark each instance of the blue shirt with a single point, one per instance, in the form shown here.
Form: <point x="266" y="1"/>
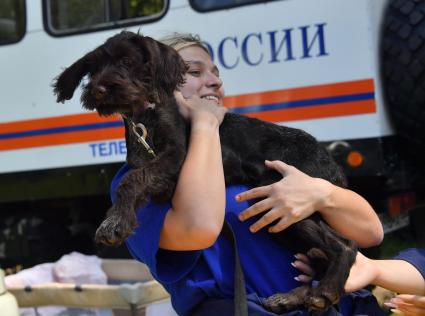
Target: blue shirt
<point x="191" y="277"/>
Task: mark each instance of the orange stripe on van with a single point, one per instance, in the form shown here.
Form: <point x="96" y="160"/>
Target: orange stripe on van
<point x="314" y="102"/>
<point x="303" y="93"/>
<point x="62" y="139"/>
<point x="316" y="112"/>
<point x="57" y="121"/>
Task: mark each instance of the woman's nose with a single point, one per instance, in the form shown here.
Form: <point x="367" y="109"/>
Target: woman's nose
<point x="214" y="81"/>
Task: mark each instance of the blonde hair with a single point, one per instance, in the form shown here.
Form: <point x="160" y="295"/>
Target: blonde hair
<point x="179" y="41"/>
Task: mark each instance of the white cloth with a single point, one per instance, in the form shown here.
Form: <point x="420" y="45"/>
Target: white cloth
<point x="73" y="268"/>
<point x="163" y="308"/>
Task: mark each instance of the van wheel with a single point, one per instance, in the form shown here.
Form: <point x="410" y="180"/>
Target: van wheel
<point x="403" y="70"/>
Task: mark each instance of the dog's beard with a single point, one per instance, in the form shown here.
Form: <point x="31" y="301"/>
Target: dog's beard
<point x="117" y="99"/>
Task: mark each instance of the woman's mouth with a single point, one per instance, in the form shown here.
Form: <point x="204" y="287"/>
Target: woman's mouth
<point x="211" y="97"/>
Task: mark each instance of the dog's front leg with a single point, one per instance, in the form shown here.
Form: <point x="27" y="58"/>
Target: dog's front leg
<point x="156" y="180"/>
<point x="121" y="217"/>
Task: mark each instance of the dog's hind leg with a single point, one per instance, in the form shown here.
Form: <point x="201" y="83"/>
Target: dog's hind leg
<point x="282" y="302"/>
<point x="330" y="255"/>
<point x="342" y="254"/>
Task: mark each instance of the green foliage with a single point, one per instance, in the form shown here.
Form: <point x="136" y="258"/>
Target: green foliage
<point x="145" y="8"/>
<point x="395" y="242"/>
<point x="68" y="14"/>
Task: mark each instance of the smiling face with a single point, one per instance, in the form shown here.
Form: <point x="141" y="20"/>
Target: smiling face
<point x="202" y="77"/>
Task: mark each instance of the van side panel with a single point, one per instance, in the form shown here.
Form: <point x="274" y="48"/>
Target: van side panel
<point x="302" y="65"/>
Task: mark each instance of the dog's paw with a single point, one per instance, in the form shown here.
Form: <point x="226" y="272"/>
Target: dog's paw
<point x="114" y="230"/>
<point x="317" y="254"/>
<point x="280" y="303"/>
<point x="321" y="298"/>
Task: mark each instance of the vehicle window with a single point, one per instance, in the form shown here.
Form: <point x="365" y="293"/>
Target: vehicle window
<point x="64" y="17"/>
<point x="212" y="5"/>
<point x="12" y="21"/>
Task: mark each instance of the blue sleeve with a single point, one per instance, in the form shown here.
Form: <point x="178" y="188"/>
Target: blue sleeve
<point x="415" y="257"/>
<point x="165" y="265"/>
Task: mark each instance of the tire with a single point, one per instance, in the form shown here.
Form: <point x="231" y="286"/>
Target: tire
<point x="403" y="71"/>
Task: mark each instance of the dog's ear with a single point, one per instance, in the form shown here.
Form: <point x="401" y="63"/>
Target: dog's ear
<point x="65" y="84"/>
<point x="167" y="67"/>
<point x="170" y="70"/>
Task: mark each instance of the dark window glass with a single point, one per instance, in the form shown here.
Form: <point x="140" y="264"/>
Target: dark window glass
<point x="71" y="16"/>
<point x="212" y="5"/>
<point x="12" y="21"/>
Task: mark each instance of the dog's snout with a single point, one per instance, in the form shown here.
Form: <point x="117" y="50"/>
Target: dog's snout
<point x="99" y="92"/>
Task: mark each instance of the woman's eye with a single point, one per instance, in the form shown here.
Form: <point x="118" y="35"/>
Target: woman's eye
<point x="195" y="73"/>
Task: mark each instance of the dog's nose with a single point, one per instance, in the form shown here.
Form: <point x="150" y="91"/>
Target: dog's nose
<point x="99" y="92"/>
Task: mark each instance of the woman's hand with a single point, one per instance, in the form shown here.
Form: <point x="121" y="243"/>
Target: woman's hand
<point x="298" y="195"/>
<point x="363" y="272"/>
<point x="408" y="305"/>
<point x="198" y="109"/>
<point x="290" y="200"/>
<point x="302" y="263"/>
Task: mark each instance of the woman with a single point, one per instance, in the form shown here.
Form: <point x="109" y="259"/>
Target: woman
<point x="180" y="241"/>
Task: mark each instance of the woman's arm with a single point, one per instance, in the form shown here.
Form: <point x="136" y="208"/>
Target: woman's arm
<point x="352" y="216"/>
<point x="298" y="195"/>
<point x="197" y="214"/>
<point x="393" y="274"/>
<point x="397" y="275"/>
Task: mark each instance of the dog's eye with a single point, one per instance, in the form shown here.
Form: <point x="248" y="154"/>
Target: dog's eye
<point x="125" y="61"/>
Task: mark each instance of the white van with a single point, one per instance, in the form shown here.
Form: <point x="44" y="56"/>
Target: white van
<point x="338" y="69"/>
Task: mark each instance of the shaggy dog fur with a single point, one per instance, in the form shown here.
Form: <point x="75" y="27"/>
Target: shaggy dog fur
<point x="129" y="74"/>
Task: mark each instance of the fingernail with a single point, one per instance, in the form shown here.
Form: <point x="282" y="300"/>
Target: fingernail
<point x="237" y="197"/>
<point x="389" y="304"/>
<point x="396" y="311"/>
<point x="271" y="230"/>
<point x="297" y="256"/>
<point x="297" y="279"/>
<point x="240" y="217"/>
<point x="293" y="264"/>
<point x="252" y="229"/>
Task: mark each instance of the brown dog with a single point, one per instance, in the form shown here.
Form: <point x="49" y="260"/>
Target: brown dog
<point x="136" y="76"/>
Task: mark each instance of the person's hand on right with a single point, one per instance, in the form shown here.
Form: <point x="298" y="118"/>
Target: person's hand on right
<point x="408" y="305"/>
<point x="198" y="109"/>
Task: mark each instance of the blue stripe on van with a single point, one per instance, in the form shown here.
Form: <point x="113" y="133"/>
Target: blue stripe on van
<point x="304" y="103"/>
<point x="66" y="129"/>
